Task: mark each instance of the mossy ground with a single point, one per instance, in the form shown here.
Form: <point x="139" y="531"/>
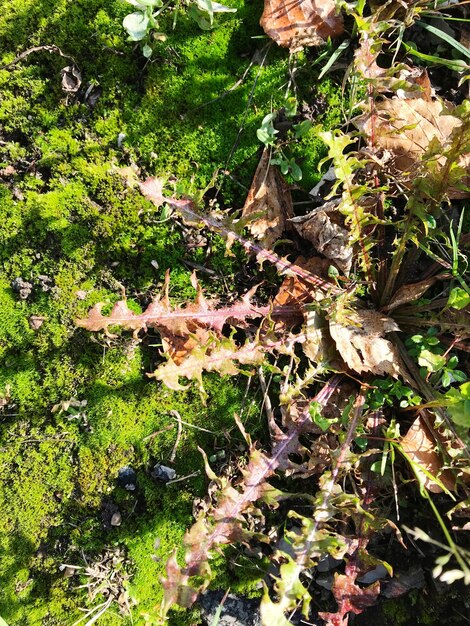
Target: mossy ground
<point x="67" y="213"/>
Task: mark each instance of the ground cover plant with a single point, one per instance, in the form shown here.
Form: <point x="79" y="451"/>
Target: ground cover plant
<point x="212" y="374"/>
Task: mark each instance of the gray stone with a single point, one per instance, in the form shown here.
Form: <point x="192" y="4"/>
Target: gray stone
<point x="236" y="611"/>
<point x="163" y="473"/>
<point x="116" y="519"/>
<point x="127" y="478"/>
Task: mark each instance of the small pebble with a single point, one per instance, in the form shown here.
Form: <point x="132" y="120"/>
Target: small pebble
<point x="163" y="473"/>
<point x="116" y="519"/>
<point x="127" y="478"/>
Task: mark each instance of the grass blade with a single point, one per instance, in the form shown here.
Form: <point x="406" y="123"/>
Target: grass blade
<point x="334" y="57"/>
<point x="456" y="65"/>
<point x="445" y="37"/>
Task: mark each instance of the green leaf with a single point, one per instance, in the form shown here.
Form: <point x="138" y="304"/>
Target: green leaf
<point x="458" y="298"/>
<point x="147" y="51"/>
<point x="302" y="129"/>
<point x="136" y="25"/>
<point x="445" y="37"/>
<point x="290" y="107"/>
<point x="317" y="418"/>
<point x="296" y="171"/>
<point x="199" y="17"/>
<point x="432" y="362"/>
<point x="455" y="65"/>
<point x="334" y="57"/>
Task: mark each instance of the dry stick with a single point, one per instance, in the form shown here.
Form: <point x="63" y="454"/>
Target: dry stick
<point x="178" y="434"/>
<point x="158" y="432"/>
<point x="211" y="432"/>
<point x="178" y="480"/>
<point x="51" y="49"/>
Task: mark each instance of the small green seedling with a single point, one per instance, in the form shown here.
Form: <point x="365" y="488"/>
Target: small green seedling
<point x="268" y="134"/>
<point x="434" y="363"/>
<point x="142" y="24"/>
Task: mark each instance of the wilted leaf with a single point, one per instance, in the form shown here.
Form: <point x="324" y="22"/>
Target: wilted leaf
<point x="359" y="338"/>
<point x="410" y="293"/>
<point x="269" y="202"/>
<point x="420" y="446"/>
<point x="350" y="598"/>
<point x="152" y="189"/>
<point x="297" y="23"/>
<point x="403" y="582"/>
<point x="71" y="79"/>
<point x="328" y="237"/>
<point x="224" y="520"/>
<point x="191" y="336"/>
<point x="406" y="129"/>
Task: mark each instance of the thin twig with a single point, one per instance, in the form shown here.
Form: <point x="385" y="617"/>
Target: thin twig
<point x="178" y="480"/>
<point x="158" y="432"/>
<point x="178" y="434"/>
<point x="205" y="430"/>
<point x="51" y="49"/>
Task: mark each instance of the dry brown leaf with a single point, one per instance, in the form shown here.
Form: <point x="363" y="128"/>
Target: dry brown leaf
<point x="410" y="293"/>
<point x="419" y="445"/>
<point x="406" y="127"/>
<point x="329" y="238"/>
<point x="269" y="196"/>
<point x="295" y="292"/>
<point x="297" y="23"/>
<point x="359" y="338"/>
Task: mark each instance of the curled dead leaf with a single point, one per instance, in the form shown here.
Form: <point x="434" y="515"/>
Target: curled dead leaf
<point x="406" y="128"/>
<point x="360" y="339"/>
<point x="71" y="79"/>
<point x="269" y="202"/>
<point x="328" y="237"/>
<point x="410" y="293"/>
<point x="297" y="23"/>
<point x="419" y="445"/>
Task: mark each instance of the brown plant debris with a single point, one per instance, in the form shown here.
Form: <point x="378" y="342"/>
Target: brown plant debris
<point x="191" y="336"/>
<point x="350" y="598"/>
<point x="419" y="444"/>
<point x="269" y="202"/>
<point x="297" y="23"/>
<point x="407" y="128"/>
<point x="409" y="293"/>
<point x="328" y="237"/>
<point x="360" y="339"/>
